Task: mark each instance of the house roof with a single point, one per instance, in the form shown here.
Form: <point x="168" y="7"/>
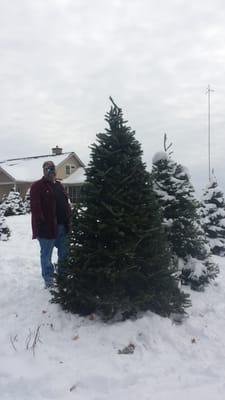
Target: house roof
<point x="29" y="169"/>
<point x="77" y="176"/>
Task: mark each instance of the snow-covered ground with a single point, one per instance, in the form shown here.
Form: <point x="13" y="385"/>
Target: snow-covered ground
<point x="46" y="353"/>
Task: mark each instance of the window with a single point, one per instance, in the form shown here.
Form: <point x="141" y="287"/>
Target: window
<point x="70" y="169"/>
<point x="67" y="169"/>
<point x="75" y="193"/>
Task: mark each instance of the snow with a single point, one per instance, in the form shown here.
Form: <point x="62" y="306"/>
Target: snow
<point x="78" y="358"/>
<point x="197" y="267"/>
<point x="186" y="171"/>
<point x="76" y="177"/>
<point x="160" y="155"/>
<point x="162" y="193"/>
<point x="217" y="242"/>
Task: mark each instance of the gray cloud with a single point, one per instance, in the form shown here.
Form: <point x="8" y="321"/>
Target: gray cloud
<point x="61" y="59"/>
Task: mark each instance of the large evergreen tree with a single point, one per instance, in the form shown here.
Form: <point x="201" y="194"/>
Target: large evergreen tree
<point x="180" y="210"/>
<point x="119" y="262"/>
<point x="213" y="217"/>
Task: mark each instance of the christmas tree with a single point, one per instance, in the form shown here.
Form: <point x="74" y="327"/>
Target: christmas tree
<point x="119" y="262"/>
<point x="180" y="210"/>
<point x="213" y="217"/>
<point x="12" y="204"/>
<point x="4" y="230"/>
<point x="27" y="202"/>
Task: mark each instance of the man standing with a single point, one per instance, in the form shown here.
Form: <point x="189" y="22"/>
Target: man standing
<point x="51" y="218"/>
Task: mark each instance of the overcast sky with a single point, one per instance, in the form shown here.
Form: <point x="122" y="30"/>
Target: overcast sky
<point x="62" y="59"/>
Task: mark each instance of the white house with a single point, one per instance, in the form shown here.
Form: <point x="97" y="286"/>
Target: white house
<point x="20" y="173"/>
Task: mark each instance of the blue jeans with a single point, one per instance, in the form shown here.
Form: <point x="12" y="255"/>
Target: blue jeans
<point x="46" y="248"/>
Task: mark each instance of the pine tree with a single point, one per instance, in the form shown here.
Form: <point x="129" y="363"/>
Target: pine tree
<point x="213" y="217"/>
<point x="180" y="211"/>
<point x="27" y="202"/>
<point x="12" y="204"/>
<point x="4" y="230"/>
<point x="119" y="261"/>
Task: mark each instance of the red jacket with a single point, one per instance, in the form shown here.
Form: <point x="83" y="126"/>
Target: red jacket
<point x="43" y="207"/>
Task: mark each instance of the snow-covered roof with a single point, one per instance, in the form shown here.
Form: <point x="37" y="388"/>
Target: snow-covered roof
<point x="29" y="169"/>
<point x="77" y="176"/>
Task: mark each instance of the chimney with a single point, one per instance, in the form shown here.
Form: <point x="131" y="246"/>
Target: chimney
<point x="56" y="151"/>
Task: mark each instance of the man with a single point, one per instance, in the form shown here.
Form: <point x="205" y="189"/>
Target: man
<point x="51" y="217"/>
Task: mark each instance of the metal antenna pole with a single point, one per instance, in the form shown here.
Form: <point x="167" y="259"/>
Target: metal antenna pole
<point x="208" y="92"/>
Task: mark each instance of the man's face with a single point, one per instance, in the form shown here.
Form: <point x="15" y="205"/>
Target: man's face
<point x="49" y="171"/>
